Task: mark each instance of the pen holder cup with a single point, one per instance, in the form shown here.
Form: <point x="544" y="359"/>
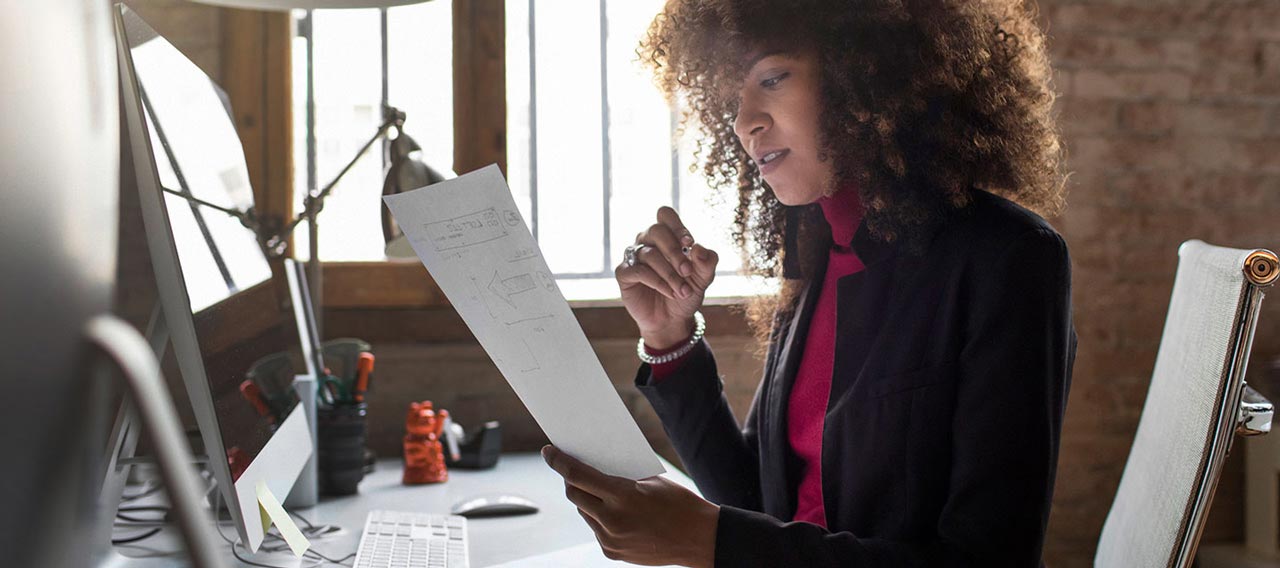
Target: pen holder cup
<point x="340" y="445"/>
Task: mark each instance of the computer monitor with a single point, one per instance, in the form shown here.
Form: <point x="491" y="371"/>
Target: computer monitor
<point x="214" y="280"/>
<point x="58" y="158"/>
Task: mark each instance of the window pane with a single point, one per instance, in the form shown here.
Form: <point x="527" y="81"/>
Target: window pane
<point x="518" y="127"/>
<point x="347" y="79"/>
<point x="569" y="168"/>
<point x="560" y="143"/>
<point x="639" y="128"/>
<point x="301" y="248"/>
<point x="420" y="77"/>
<point x="708" y="213"/>
<point x="348" y="93"/>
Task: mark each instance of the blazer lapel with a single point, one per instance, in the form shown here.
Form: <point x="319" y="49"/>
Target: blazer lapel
<point x="784" y="374"/>
<point x="867" y="301"/>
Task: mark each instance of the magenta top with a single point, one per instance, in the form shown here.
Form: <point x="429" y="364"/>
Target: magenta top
<point x="808" y="403"/>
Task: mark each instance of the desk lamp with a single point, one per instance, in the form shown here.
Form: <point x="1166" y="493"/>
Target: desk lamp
<point x="406" y="170"/>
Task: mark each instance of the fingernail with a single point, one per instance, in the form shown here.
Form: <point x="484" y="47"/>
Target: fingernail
<point x="546" y="452"/>
<point x="685" y="268"/>
<point x="687" y="239"/>
<point x="685" y="290"/>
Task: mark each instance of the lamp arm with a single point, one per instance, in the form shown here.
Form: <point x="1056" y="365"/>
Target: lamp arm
<point x="273" y="243"/>
<point x="317" y="201"/>
<point x="246" y="217"/>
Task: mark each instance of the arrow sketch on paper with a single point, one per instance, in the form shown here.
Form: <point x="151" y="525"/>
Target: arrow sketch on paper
<point x="471" y="237"/>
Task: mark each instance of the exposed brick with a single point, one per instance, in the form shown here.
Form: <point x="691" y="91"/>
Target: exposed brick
<point x="1149" y="117"/>
<point x="1253" y="19"/>
<point x="1093" y="51"/>
<point x="1223" y="118"/>
<point x="1270" y="59"/>
<point x="1229" y="52"/>
<point x="1063" y="82"/>
<point x="1131" y="85"/>
<point x="1230" y="154"/>
<point x="1111" y="153"/>
<point x="1197" y="189"/>
<point x="1087" y="116"/>
<point x="1225" y="84"/>
<point x="1139" y="18"/>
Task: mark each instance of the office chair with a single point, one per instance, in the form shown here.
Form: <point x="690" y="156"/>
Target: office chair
<point x="1197" y="401"/>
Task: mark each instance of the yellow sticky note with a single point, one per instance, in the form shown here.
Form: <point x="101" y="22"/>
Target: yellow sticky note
<point x="272" y="512"/>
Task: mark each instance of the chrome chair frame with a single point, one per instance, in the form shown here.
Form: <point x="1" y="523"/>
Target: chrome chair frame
<point x="1240" y="410"/>
<point x="1252" y="411"/>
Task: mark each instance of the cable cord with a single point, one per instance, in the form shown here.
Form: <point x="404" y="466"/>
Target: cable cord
<point x="311" y="530"/>
<point x="136" y="538"/>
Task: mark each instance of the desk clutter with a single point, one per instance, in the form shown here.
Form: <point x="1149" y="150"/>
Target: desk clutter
<point x="341" y="448"/>
<point x="423" y="448"/>
<point x="433" y="443"/>
<point x="341" y="415"/>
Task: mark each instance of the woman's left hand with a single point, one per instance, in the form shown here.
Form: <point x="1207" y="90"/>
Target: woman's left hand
<point x="653" y="521"/>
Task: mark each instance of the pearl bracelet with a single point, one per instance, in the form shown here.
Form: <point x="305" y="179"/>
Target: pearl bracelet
<point x="699" y="328"/>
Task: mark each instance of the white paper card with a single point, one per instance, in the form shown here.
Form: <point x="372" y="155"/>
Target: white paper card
<point x="471" y="237"/>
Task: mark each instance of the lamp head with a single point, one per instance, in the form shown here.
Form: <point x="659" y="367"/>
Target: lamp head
<point x="406" y="172"/>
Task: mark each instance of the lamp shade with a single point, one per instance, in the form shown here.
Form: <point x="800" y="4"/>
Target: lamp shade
<point x="307" y="4"/>
<point x="406" y="172"/>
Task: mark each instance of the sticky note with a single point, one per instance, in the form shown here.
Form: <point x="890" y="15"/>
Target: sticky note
<point x="272" y="512"/>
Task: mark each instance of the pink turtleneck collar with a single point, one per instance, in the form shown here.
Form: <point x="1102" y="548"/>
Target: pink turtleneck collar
<point x="811" y="390"/>
<point x="843" y="212"/>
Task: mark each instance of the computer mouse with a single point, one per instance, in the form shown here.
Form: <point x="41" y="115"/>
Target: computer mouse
<point x="494" y="506"/>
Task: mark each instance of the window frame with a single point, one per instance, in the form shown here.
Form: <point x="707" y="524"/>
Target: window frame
<point x="480" y="130"/>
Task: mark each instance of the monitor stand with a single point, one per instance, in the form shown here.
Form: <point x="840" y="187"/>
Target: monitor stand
<point x="135" y="358"/>
<point x="123" y="440"/>
<point x="123" y="443"/>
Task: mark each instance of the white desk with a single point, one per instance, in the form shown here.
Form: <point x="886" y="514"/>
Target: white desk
<point x="492" y="541"/>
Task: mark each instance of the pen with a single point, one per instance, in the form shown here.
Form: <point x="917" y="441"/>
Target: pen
<point x="364" y="368"/>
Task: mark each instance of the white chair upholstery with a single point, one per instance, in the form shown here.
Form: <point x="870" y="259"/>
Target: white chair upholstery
<point x="1193" y="407"/>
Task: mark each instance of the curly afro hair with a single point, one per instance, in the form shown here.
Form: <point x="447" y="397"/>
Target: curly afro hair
<point x="923" y="100"/>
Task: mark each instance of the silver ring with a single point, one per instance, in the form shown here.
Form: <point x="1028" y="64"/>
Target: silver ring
<point x="631" y="254"/>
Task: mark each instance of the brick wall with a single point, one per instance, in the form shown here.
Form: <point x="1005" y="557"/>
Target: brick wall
<point x="1171" y="112"/>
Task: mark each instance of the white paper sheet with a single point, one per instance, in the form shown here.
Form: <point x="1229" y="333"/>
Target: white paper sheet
<point x="471" y="237"/>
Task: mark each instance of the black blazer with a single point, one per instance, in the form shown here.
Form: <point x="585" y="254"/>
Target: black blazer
<point x="941" y="437"/>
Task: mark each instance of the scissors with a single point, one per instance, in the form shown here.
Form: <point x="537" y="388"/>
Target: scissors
<point x="333" y="390"/>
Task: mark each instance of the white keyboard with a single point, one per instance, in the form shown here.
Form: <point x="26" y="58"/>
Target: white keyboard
<point x="394" y="539"/>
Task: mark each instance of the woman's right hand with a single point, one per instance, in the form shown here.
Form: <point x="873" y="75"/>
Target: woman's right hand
<point x="665" y="286"/>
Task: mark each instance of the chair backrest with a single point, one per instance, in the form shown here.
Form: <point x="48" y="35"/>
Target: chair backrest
<point x="1192" y="408"/>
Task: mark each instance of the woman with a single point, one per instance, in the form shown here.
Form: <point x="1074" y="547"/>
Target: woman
<point x="892" y="159"/>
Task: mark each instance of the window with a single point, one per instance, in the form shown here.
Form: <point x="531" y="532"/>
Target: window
<point x="347" y="65"/>
<point x="590" y="147"/>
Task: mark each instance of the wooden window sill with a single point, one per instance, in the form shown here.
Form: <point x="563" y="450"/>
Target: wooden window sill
<point x="399" y="302"/>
